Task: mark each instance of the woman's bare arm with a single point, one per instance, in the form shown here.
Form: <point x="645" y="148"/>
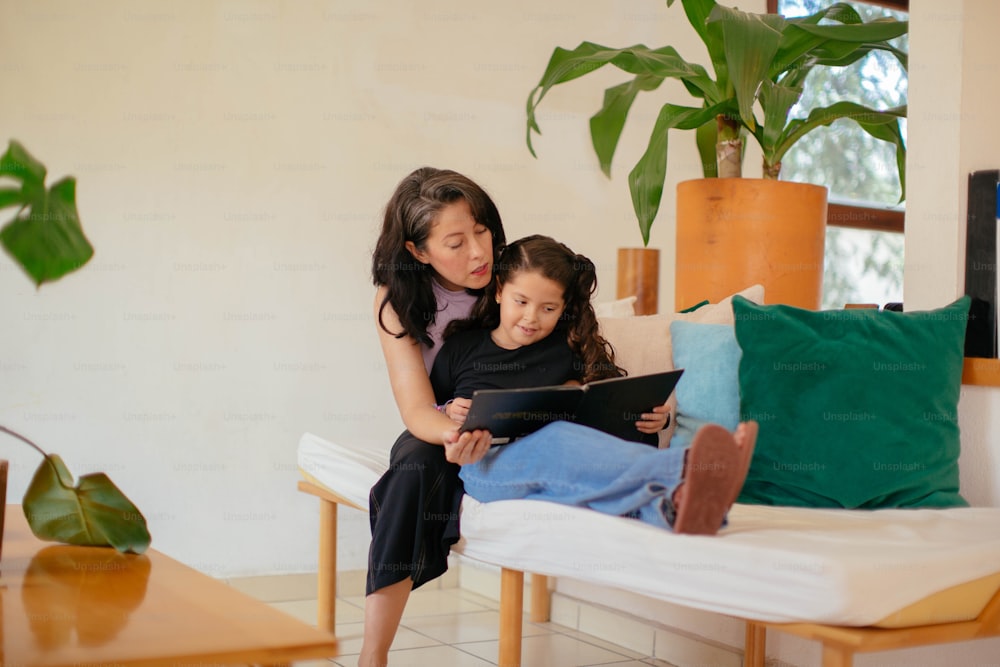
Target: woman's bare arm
<point x="411" y="388"/>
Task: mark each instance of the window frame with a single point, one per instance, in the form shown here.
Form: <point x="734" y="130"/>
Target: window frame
<point x="863" y="217"/>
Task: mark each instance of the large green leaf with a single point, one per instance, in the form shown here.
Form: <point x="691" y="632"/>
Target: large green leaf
<point x="45" y="237"/>
<point x="797" y="50"/>
<point x="751" y="41"/>
<point x="842" y="54"/>
<point x="879" y="30"/>
<point x="647" y="177"/>
<point x="697" y="12"/>
<point x="776" y="100"/>
<point x="705" y="138"/>
<point x="93" y="512"/>
<point x="567" y="65"/>
<point x="607" y="124"/>
<point x="840" y="12"/>
<point x="881" y="124"/>
<point x="17" y="163"/>
<point x="795" y="55"/>
<point x="11" y="196"/>
<point x="888" y="130"/>
<point x="842" y="45"/>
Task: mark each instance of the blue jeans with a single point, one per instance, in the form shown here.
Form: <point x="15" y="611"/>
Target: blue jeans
<point x="576" y="465"/>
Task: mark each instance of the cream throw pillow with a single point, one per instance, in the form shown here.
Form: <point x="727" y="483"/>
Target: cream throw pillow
<point x="642" y="343"/>
<point x="618" y="308"/>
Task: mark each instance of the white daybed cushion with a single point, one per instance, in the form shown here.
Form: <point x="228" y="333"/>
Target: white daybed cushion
<point x="348" y="471"/>
<point x="779" y="564"/>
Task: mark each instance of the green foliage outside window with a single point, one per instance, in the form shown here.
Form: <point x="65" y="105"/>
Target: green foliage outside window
<point x="861" y="266"/>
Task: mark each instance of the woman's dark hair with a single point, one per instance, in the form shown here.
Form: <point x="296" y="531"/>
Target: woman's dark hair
<point x="409" y="216"/>
<point x="578" y="276"/>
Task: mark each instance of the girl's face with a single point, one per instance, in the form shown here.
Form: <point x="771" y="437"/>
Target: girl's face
<point x="530" y="308"/>
<point x="459" y="249"/>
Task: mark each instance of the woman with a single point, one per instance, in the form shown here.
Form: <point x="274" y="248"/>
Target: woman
<point x="434" y="256"/>
<point x="435" y="253"/>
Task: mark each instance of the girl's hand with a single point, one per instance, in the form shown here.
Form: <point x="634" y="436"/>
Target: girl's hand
<point x="655" y="421"/>
<point x="457" y="409"/>
<point x="465" y="448"/>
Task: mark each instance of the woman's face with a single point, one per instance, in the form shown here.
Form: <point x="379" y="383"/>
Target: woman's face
<point x="459" y="249"/>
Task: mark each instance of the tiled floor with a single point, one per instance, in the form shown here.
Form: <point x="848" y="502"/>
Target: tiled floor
<point x="448" y="627"/>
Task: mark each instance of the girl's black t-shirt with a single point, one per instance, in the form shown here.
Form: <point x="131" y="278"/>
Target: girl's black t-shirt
<point x="470" y="360"/>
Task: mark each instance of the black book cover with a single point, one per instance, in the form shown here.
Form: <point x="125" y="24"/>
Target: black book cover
<point x="611" y="405"/>
<point x="981" y="264"/>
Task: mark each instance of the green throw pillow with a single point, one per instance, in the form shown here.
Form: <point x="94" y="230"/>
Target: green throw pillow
<point x="857" y="408"/>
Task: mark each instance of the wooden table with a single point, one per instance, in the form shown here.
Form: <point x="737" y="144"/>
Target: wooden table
<point x="79" y="606"/>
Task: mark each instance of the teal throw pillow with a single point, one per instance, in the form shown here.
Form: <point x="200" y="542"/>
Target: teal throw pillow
<point x="857" y="408"/>
<point x="708" y="392"/>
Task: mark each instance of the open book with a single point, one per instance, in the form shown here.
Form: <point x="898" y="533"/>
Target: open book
<point x="612" y="405"/>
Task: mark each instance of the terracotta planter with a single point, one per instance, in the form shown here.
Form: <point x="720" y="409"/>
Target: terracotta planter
<point x="639" y="276"/>
<point x="736" y="232"/>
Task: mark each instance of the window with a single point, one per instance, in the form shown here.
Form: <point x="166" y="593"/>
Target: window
<point x="864" y="255"/>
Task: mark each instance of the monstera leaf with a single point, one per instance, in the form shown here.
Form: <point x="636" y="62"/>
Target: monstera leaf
<point x="93" y="512"/>
<point x="45" y="236"/>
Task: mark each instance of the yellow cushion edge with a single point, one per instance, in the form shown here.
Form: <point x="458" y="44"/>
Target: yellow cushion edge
<point x="341" y="499"/>
<point x="963" y="602"/>
<point x="312" y="480"/>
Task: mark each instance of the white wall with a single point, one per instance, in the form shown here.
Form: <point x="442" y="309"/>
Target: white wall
<point x="233" y="160"/>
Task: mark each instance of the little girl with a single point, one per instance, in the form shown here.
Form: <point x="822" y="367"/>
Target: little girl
<point x="541" y="331"/>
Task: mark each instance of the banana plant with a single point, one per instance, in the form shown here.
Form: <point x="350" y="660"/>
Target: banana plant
<point x="759" y="64"/>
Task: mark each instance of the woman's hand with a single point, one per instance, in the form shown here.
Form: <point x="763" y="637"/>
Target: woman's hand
<point x="655" y="421"/>
<point x="457" y="409"/>
<point x="465" y="448"/>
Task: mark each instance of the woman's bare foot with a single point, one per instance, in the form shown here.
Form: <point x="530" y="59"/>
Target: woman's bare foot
<point x="383" y="611"/>
<point x="715" y="467"/>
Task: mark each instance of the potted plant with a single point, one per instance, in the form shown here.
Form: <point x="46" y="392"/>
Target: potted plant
<point x="46" y="240"/>
<point x="760" y="62"/>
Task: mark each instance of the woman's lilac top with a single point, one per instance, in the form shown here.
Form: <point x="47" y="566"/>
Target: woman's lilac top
<point x="451" y="306"/>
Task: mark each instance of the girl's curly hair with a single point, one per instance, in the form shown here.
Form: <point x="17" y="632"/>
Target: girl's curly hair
<point x="578" y="276"/>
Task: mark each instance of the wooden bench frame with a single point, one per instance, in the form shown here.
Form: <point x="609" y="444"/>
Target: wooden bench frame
<point x="840" y="643"/>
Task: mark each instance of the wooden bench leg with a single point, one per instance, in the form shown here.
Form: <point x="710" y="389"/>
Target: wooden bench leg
<point x="326" y="593"/>
<point x="835" y="656"/>
<point x="755" y="648"/>
<point x="541" y="610"/>
<point x="511" y="611"/>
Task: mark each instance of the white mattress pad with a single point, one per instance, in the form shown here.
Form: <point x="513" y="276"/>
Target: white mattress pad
<point x="778" y="564"/>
